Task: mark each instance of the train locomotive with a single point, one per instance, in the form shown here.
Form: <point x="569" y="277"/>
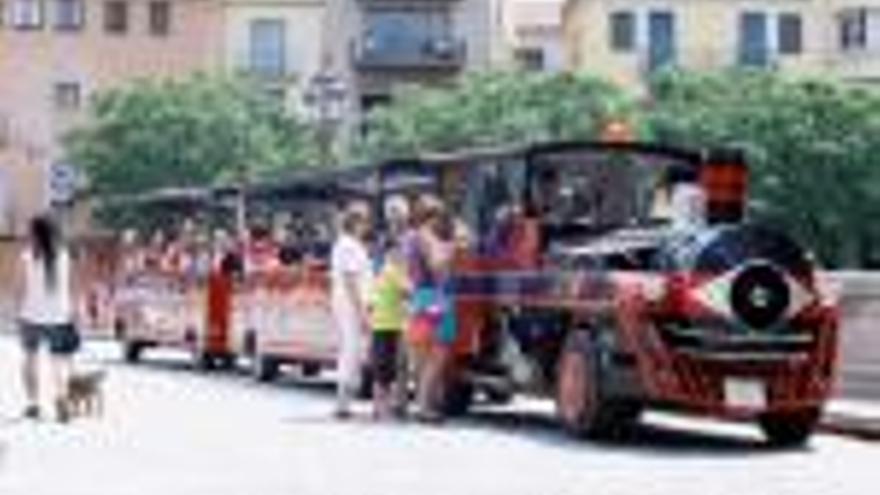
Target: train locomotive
<point x="596" y="300"/>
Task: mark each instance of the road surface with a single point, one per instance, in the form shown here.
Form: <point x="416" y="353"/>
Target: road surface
<point x="168" y="430"/>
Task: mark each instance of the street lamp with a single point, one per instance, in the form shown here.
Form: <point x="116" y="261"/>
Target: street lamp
<point x="325" y="98"/>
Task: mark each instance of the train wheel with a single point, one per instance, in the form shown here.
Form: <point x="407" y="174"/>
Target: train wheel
<point x="201" y="358"/>
<point x="458" y="397"/>
<point x="790" y="429"/>
<point x="498" y="396"/>
<point x="264" y="368"/>
<point x="132" y="351"/>
<point x="582" y="407"/>
<point x="310" y="370"/>
<point x="226" y="361"/>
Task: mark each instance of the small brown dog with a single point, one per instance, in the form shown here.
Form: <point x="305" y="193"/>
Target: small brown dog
<point x="85" y="393"/>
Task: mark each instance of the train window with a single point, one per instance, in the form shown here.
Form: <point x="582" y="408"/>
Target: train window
<point x="593" y="190"/>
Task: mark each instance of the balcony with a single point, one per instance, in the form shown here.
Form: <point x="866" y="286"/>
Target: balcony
<point x="442" y="53"/>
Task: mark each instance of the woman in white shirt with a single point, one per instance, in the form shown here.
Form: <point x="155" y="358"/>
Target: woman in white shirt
<point x="46" y="312"/>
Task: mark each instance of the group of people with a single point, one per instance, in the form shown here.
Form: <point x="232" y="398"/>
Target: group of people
<point x="392" y="294"/>
<point x="396" y="297"/>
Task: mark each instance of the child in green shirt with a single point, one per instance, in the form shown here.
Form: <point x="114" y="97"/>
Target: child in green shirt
<point x="388" y="316"/>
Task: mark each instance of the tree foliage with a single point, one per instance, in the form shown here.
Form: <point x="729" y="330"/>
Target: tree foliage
<point x="493" y="109"/>
<point x="813" y="148"/>
<point x="192" y="132"/>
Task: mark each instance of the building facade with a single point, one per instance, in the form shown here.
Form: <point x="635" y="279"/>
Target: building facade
<point x="626" y="40"/>
<point x="277" y="42"/>
<point x="534" y="28"/>
<point x="393" y="42"/>
<point x="55" y="54"/>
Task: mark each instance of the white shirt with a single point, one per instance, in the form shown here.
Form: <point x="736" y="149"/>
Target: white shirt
<point x="688" y="207"/>
<point x="349" y="257"/>
<point x="44" y="304"/>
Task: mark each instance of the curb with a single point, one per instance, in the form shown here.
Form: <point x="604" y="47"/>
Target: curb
<point x="859" y="427"/>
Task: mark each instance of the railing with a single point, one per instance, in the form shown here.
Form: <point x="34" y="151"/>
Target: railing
<point x="244" y="65"/>
<point x="439" y="53"/>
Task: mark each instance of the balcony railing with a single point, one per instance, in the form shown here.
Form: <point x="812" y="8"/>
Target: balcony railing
<point x="438" y="53"/>
<point x="282" y="71"/>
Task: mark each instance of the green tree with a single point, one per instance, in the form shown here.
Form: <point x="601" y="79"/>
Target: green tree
<point x="812" y="146"/>
<point x="193" y="132"/>
<point x="493" y="109"/>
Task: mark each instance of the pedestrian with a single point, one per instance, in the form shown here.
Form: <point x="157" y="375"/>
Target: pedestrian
<point x="351" y="274"/>
<point x="45" y="303"/>
<point x="432" y="325"/>
<point x="388" y="315"/>
<point x="398" y="228"/>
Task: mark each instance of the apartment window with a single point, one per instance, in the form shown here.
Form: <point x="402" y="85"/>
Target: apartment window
<point x="68" y="96"/>
<point x="27" y="14"/>
<point x="116" y="16"/>
<point x="160" y="18"/>
<point x="790" y="40"/>
<point x="267" y="47"/>
<point x="661" y="39"/>
<point x="754" y="50"/>
<point x="69" y="15"/>
<point x="531" y="59"/>
<point x="623" y="31"/>
<point x="854" y="29"/>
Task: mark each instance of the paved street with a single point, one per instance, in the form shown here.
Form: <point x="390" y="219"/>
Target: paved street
<point x="169" y="430"/>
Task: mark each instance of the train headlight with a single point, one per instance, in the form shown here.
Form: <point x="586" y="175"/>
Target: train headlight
<point x="759" y="294"/>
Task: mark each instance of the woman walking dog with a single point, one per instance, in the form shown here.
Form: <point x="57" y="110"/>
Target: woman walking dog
<point x="45" y="309"/>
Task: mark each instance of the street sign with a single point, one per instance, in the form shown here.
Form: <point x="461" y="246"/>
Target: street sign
<point x="63" y="180"/>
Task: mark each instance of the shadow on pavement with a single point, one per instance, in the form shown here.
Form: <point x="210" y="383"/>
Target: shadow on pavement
<point x="645" y="438"/>
<point x="541" y="427"/>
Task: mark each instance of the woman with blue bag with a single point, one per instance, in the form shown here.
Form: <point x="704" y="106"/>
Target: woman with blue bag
<point x="430" y="248"/>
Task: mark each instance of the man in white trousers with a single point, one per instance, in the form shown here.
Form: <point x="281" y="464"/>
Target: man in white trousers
<point x="351" y="275"/>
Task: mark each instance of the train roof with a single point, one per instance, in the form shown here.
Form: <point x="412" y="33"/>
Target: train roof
<point x="388" y="176"/>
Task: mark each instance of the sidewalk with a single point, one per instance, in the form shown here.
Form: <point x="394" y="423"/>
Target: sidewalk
<point x="855" y="418"/>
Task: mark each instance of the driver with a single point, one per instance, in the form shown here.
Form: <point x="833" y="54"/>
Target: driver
<point x="680" y="200"/>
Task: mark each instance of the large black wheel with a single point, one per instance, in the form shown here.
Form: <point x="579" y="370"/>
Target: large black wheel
<point x="789" y="429"/>
<point x="132" y="351"/>
<point x="582" y="405"/>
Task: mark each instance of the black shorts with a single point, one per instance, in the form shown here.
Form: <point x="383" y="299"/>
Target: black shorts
<point x="385" y="347"/>
<point x="62" y="339"/>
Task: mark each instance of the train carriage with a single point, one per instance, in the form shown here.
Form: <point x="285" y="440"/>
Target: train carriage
<point x="165" y="288"/>
<point x="289" y="321"/>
